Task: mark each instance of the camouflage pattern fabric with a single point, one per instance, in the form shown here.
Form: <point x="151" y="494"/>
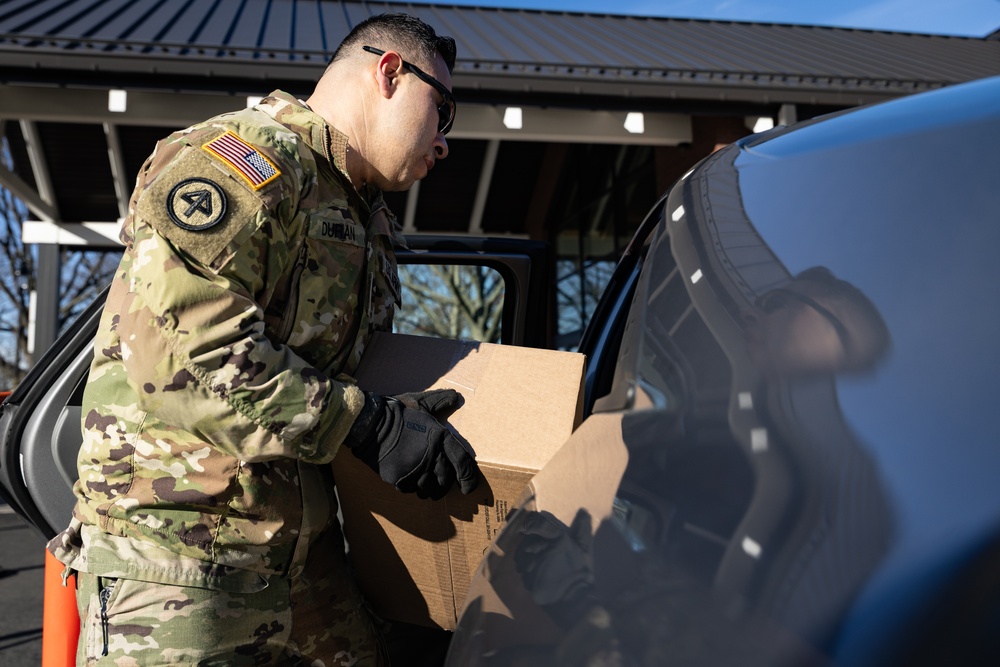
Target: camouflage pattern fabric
<point x="252" y="277"/>
<point x="128" y="623"/>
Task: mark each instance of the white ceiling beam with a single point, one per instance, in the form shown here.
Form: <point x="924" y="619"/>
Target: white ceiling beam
<point x="118" y="172"/>
<point x="28" y="196"/>
<point x="788" y="114"/>
<point x="94" y="234"/>
<point x="571" y="126"/>
<point x="410" y="214"/>
<point x="40" y="168"/>
<point x="483" y="190"/>
<point x="474" y="121"/>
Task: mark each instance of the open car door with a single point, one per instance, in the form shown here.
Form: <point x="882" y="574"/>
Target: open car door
<point x="40" y="432"/>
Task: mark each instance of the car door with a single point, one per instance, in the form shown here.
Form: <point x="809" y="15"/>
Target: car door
<point x="40" y="422"/>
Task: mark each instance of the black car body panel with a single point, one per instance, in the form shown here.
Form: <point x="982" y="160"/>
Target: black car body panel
<point x="829" y="500"/>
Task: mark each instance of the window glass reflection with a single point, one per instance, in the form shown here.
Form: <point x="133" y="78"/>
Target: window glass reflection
<point x="451" y="301"/>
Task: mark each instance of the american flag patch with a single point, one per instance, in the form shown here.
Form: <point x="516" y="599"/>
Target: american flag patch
<point x="244" y="158"/>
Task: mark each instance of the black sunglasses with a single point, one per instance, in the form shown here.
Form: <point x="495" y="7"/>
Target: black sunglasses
<point x="780" y="298"/>
<point x="446" y="110"/>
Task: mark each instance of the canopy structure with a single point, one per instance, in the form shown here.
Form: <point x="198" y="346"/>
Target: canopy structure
<point x="569" y="124"/>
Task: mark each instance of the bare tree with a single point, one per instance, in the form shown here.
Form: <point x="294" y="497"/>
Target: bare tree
<point x="579" y="287"/>
<point x="451" y="301"/>
<point x="83" y="274"/>
<point x="17" y="270"/>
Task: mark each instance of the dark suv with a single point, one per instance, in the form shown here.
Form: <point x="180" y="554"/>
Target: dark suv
<point x="788" y="455"/>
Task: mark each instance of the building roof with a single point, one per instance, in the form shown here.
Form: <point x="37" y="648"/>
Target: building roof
<point x="577" y="75"/>
<point x="254" y="45"/>
<point x="73" y="154"/>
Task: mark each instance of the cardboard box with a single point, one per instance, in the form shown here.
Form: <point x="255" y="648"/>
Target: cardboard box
<point x="585" y="475"/>
<point x="415" y="558"/>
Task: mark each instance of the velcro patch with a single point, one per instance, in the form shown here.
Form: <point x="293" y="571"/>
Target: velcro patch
<point x="333" y="226"/>
<point x="246" y="160"/>
<point x="212" y="206"/>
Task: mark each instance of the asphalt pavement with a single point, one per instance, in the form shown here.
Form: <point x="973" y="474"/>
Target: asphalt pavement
<point x="22" y="564"/>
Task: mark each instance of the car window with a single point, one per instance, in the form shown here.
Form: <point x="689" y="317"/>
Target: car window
<point x="679" y="364"/>
<point x="669" y="359"/>
<point x="451" y="301"/>
<point x="694" y="465"/>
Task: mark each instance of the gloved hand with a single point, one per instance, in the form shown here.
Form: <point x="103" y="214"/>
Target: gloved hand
<point x="400" y="438"/>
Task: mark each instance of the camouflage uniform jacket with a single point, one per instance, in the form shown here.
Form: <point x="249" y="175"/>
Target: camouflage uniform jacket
<point x="253" y="274"/>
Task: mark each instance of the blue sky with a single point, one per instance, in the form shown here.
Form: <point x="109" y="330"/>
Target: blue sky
<point x="975" y="18"/>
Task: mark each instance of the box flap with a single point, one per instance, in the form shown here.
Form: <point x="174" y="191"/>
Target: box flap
<point x="518" y="419"/>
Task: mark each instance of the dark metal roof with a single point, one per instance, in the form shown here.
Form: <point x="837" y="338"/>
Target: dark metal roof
<point x="185" y="60"/>
<point x="231" y="44"/>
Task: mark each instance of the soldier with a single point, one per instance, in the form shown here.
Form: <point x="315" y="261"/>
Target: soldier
<point x="258" y="261"/>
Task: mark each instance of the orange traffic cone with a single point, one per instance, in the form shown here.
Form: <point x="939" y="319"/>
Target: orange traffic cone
<point x="60" y="619"/>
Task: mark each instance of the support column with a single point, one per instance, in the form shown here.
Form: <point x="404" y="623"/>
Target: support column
<point x="45" y="311"/>
<point x="45" y="315"/>
<point x="788" y="115"/>
<point x="483" y="190"/>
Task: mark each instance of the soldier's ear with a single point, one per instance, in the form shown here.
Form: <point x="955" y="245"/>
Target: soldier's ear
<point x="387" y="72"/>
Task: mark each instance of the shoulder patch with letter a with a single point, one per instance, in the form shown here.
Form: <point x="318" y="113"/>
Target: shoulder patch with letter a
<point x="196" y="204"/>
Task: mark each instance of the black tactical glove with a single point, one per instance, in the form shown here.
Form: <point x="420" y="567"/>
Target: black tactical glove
<point x="400" y="438"/>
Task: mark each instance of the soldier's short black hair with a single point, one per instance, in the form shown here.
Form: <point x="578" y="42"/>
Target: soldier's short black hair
<point x="412" y="38"/>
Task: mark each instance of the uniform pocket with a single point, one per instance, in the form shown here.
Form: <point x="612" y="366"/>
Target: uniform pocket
<point x="326" y="292"/>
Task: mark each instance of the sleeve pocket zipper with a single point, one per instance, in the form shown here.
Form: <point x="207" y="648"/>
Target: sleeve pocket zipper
<point x="292" y="297"/>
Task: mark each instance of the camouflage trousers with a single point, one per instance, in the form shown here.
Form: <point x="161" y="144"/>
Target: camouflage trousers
<point x="317" y="619"/>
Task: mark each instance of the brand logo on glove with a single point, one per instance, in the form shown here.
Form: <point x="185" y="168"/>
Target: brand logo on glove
<point x="196" y="204"/>
<point x="414" y="426"/>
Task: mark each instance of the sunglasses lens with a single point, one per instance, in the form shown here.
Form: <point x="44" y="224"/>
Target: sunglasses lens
<point x="446" y="114"/>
